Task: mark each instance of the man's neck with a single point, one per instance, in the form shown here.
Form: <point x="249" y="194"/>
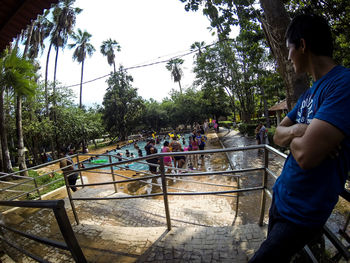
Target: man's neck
<point x="320" y="66"/>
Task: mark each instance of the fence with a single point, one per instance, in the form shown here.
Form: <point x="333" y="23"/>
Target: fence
<point x="70" y="244"/>
<point x="263" y="188"/>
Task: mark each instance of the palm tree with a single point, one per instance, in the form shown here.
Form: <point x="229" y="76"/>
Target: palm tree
<point x="173" y="66"/>
<point x="34" y="41"/>
<point x="107" y="49"/>
<point x="83" y="47"/>
<point x="198" y="46"/>
<point x="16" y="73"/>
<point x="36" y="34"/>
<point x="64" y="18"/>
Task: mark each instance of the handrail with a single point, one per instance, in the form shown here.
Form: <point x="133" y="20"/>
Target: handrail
<point x="164" y="177"/>
<point x="36" y="167"/>
<point x="71" y="243"/>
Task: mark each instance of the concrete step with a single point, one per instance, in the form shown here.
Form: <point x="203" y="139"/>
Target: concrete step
<point x="206" y="244"/>
<point x="150" y="212"/>
<point x="181" y="244"/>
<point x="105" y="244"/>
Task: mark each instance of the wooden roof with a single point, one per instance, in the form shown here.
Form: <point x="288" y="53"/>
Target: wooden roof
<point x="279" y="106"/>
<point x="15" y="15"/>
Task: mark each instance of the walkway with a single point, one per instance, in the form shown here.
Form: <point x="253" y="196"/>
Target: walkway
<point x="110" y="231"/>
<point x="204" y="229"/>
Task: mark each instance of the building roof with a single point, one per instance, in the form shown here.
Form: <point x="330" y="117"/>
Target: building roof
<point x="15" y="15"/>
<point x="279" y="106"/>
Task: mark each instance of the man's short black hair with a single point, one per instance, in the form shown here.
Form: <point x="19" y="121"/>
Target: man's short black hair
<point x="314" y="30"/>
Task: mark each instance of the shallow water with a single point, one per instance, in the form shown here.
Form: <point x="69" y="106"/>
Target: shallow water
<point x="100" y="160"/>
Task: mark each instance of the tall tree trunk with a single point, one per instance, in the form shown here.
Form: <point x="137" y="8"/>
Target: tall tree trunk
<point x="114" y="67"/>
<point x="54" y="77"/>
<point x="20" y="146"/>
<point x="55" y="146"/>
<point x="1" y="159"/>
<point x="274" y="24"/>
<point x="81" y="84"/>
<point x="20" y="142"/>
<point x="3" y="134"/>
<point x="46" y="73"/>
<point x="266" y="110"/>
<point x="30" y="33"/>
<point x="180" y="87"/>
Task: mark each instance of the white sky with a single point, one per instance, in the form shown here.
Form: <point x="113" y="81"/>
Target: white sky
<point x="147" y="31"/>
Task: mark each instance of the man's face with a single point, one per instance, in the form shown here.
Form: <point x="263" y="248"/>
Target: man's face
<point x="296" y="56"/>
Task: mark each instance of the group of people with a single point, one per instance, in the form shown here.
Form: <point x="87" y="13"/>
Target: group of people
<point x="196" y="141"/>
<point x="317" y="131"/>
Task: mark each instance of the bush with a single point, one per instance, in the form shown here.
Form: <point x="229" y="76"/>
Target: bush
<point x="247" y="128"/>
<point x="43" y="180"/>
<point x="226" y="124"/>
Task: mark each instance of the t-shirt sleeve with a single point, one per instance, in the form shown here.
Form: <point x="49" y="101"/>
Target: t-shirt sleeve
<point x="335" y="108"/>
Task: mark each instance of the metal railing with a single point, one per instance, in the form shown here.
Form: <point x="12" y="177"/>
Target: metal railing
<point x="166" y="176"/>
<point x="265" y="192"/>
<point x="71" y="244"/>
<point x="113" y="165"/>
<point x="31" y="182"/>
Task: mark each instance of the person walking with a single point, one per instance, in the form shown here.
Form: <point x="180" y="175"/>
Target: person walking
<point x="263" y="135"/>
<point x="67" y="167"/>
<point x="317" y="130"/>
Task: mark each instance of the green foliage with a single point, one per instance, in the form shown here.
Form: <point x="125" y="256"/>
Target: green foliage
<point x="122" y="106"/>
<point x="247" y="128"/>
<point x="44" y="180"/>
<point x="40" y="181"/>
<point x="75" y="125"/>
<point x="337" y="13"/>
<point x="173" y="66"/>
<point x="107" y="49"/>
<point x="226" y="124"/>
<point x="17" y="73"/>
<point x="82" y="45"/>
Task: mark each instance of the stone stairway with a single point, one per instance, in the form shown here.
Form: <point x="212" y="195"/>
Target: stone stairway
<point x="134" y="230"/>
<point x="206" y="244"/>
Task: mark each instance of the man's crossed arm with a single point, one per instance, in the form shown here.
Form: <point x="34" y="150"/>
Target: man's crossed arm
<point x="309" y="144"/>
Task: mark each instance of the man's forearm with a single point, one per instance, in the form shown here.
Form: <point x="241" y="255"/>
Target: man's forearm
<point x="285" y="134"/>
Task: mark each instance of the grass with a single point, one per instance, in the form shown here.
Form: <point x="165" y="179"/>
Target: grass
<point x="41" y="181"/>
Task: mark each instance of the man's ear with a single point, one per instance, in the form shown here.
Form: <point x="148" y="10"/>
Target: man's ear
<point x="302" y="45"/>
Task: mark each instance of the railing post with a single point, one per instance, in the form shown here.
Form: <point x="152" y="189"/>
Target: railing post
<point x="165" y="194"/>
<point x="237" y="198"/>
<point x="70" y="198"/>
<point x="79" y="166"/>
<point x="68" y="234"/>
<point x="113" y="177"/>
<point x="37" y="189"/>
<point x="264" y="184"/>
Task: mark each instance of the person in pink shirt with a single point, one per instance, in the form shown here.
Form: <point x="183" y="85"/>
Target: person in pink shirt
<point x="167" y="159"/>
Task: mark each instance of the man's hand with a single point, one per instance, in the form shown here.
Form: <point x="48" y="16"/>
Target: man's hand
<point x="320" y="140"/>
<point x="298" y="129"/>
<point x="287" y="131"/>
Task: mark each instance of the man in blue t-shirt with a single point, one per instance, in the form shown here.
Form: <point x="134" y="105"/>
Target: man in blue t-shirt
<point x="317" y="131"/>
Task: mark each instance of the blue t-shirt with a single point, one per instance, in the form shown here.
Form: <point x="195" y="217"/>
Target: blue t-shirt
<point x="307" y="197"/>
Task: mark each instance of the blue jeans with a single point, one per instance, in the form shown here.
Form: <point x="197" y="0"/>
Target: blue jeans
<point x="284" y="239"/>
